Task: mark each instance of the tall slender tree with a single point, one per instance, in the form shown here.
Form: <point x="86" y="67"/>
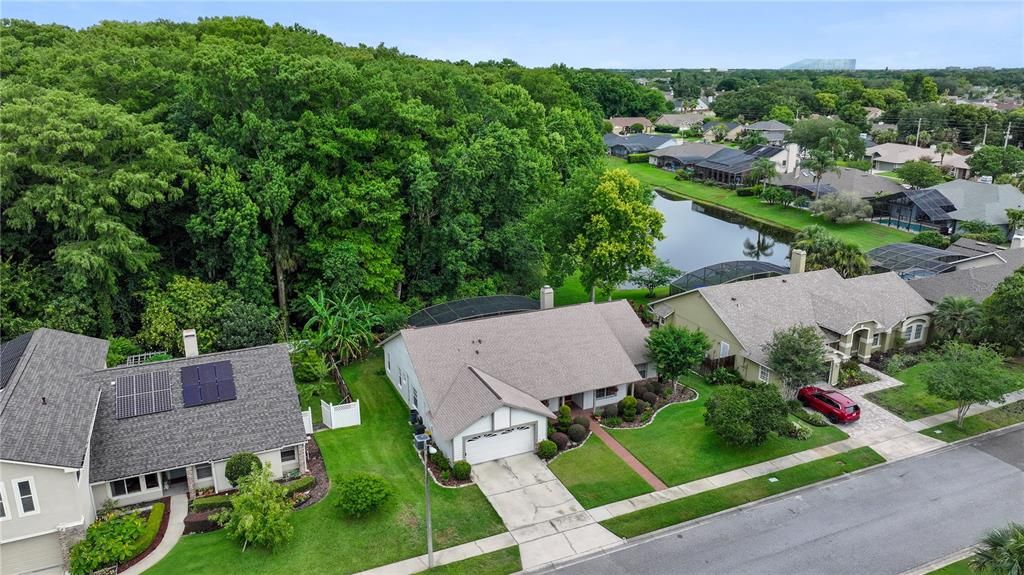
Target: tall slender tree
<point x="820" y="163"/>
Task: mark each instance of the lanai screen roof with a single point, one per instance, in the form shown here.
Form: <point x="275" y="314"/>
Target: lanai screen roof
<point x="483" y="306"/>
<point x="913" y="260"/>
<point x="725" y="272"/>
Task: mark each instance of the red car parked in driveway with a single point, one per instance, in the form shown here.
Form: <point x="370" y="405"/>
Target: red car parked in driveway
<point x="833" y="405"/>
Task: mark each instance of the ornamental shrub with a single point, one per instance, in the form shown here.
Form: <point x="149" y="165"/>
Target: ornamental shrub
<point x="611" y="422"/>
<point x="628" y="408"/>
<point x="812" y="417"/>
<point x="637" y="158"/>
<point x="642" y="406"/>
<point x="304" y="483"/>
<point x="108" y="541"/>
<point x="651" y="398"/>
<point x="439" y="459"/>
<point x="723" y="376"/>
<point x="655" y="387"/>
<point x="794" y="430"/>
<point x="156" y="516"/>
<point x="547" y="449"/>
<point x="639" y="390"/>
<point x="560" y="439"/>
<point x="611" y="410"/>
<point x="745" y="417"/>
<point x="308" y="367"/>
<point x="362" y="493"/>
<point x="598" y="412"/>
<point x="240" y="465"/>
<point x="577" y="433"/>
<point x="564" y="418"/>
<point x="582" y="420"/>
<point x="461" y="470"/>
<point x="211" y="502"/>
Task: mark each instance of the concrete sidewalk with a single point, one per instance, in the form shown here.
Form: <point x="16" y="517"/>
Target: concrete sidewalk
<point x="175" y="529"/>
<point x="939" y="419"/>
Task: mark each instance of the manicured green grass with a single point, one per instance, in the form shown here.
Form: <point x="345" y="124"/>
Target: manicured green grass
<point x="310" y="396"/>
<point x="596" y="476"/>
<point x="679" y="448"/>
<point x="326" y="541"/>
<point x="961" y="567"/>
<point x="715" y="500"/>
<point x="997" y="418"/>
<point x="891" y="175"/>
<point x="866" y="235"/>
<point x="912" y="401"/>
<point x="501" y="562"/>
<point x="572" y="292"/>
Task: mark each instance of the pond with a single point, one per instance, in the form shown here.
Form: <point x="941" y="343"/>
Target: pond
<point x="698" y="236"/>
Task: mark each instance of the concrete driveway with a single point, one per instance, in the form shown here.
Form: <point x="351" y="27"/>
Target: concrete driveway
<point x="543" y="517"/>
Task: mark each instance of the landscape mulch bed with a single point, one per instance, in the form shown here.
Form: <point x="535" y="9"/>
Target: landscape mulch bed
<point x="156" y="540"/>
<point x="680" y="394"/>
<point x="315" y="461"/>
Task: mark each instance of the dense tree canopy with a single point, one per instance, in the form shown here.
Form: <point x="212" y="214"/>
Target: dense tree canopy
<point x="260" y="164"/>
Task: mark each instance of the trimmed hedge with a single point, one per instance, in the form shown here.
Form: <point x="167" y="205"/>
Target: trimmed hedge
<point x="303" y="483"/>
<point x="156" y="516"/>
<point x="547" y="449"/>
<point x="461" y="470"/>
<point x="560" y="439"/>
<point x="637" y="158"/>
<point x="200" y="522"/>
<point x="211" y="502"/>
<point x="577" y="433"/>
<point x="666" y="129"/>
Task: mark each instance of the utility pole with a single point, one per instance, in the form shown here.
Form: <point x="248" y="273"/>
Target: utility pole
<point x="1006" y="138"/>
<point x="917" y="138"/>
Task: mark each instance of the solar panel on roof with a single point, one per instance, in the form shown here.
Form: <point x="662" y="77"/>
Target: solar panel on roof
<point x="207" y="383"/>
<point x="142" y="394"/>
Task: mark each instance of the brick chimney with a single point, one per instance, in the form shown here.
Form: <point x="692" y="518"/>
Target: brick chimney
<point x="547" y="297"/>
<point x="191" y="343"/>
<point x="797" y="261"/>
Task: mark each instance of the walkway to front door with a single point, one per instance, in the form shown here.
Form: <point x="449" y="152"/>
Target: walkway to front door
<point x="626" y="456"/>
<point x="544" y="518"/>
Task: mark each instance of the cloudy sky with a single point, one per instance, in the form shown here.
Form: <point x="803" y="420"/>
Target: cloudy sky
<point x="724" y="34"/>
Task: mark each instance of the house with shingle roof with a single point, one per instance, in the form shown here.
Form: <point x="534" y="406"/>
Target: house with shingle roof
<point x="683" y="156"/>
<point x="856" y="317"/>
<point x="622" y="146"/>
<point x="890" y="156"/>
<point x="732" y="130"/>
<point x="684" y="121"/>
<point x="623" y="124"/>
<point x="976" y="283"/>
<point x="76" y="434"/>
<point x="774" y="131"/>
<point x="486" y="388"/>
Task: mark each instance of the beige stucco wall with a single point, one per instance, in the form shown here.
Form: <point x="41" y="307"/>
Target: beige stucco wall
<point x="692" y="311"/>
<point x="60" y="500"/>
<point x="34" y="555"/>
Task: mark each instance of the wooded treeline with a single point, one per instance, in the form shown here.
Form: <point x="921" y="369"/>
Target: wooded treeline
<point x="162" y="173"/>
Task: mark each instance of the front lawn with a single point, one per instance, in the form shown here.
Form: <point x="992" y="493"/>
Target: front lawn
<point x="1005" y="416"/>
<point x="961" y="567"/>
<point x="679" y="448"/>
<point x="715" y="500"/>
<point x="326" y="542"/>
<point x="912" y="401"/>
<point x="501" y="562"/>
<point x="596" y="476"/>
<point x="572" y="292"/>
<point x="867" y="235"/>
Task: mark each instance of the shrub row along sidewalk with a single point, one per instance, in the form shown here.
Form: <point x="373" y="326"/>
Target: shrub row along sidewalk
<point x="715" y="500"/>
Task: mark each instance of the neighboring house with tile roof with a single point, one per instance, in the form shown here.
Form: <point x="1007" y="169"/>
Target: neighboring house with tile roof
<point x="976" y="283"/>
<point x="486" y="388"/>
<point x="623" y="124"/>
<point x="76" y="434"/>
<point x="856" y="317"/>
<point x="622" y="146"/>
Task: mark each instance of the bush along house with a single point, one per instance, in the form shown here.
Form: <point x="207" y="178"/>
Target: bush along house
<point x="77" y="434"/>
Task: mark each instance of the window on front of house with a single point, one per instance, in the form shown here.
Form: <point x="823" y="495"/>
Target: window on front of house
<point x="25" y="492"/>
<point x="3" y="503"/>
<point x="641" y="368"/>
<point x="914" y="332"/>
<point x="387" y="362"/>
<point x="415" y="398"/>
<point x="606" y="392"/>
<point x="152" y="481"/>
<point x="288" y="455"/>
<point x="204" y="471"/>
<point x="875" y="339"/>
<point x="764" y="374"/>
<point x="127" y="486"/>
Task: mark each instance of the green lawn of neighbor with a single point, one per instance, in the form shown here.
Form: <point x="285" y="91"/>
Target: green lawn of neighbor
<point x="310" y="396"/>
<point x="866" y="235"/>
<point x="572" y="292"/>
<point x="501" y="562"/>
<point x="324" y="540"/>
<point x="960" y="567"/>
<point x="596" y="476"/>
<point x="715" y="500"/>
<point x="679" y="448"/>
<point x="912" y="401"/>
<point x="997" y="418"/>
<point x="891" y="175"/>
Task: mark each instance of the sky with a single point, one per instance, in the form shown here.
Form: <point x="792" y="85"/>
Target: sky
<point x="620" y="34"/>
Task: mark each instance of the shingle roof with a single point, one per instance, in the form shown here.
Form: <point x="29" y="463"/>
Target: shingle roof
<point x="681" y="120"/>
<point x="728" y="160"/>
<point x="976" y="283"/>
<point x="764" y="151"/>
<point x="981" y="201"/>
<point x="636" y="142"/>
<point x="728" y="125"/>
<point x="969" y="247"/>
<point x="627" y="121"/>
<point x="486" y="393"/>
<point x="54" y="365"/>
<point x="894" y="153"/>
<point x="542" y="354"/>
<point x="753" y="310"/>
<point x="853" y="180"/>
<point x="768" y="126"/>
<point x="689" y="151"/>
<point x="266" y="415"/>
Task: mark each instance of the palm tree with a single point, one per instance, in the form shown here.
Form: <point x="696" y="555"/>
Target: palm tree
<point x="943" y="148"/>
<point x="763" y="171"/>
<point x="719" y="132"/>
<point x="1001" y="551"/>
<point x="751" y="139"/>
<point x="819" y="164"/>
<point x="764" y="247"/>
<point x="957" y="317"/>
<point x="835" y="142"/>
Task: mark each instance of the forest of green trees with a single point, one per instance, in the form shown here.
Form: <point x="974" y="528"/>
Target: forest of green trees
<point x="212" y="175"/>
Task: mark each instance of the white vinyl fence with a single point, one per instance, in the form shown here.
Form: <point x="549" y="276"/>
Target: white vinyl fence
<point x="307" y="420"/>
<point x="341" y="415"/>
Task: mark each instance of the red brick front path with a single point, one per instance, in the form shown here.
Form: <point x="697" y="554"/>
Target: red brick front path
<point x="626" y="456"/>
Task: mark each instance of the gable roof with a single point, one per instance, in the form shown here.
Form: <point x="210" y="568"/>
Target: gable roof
<point x="730" y="126"/>
<point x="753" y="310"/>
<point x="540" y="355"/>
<point x="981" y="201"/>
<point x="768" y="126"/>
<point x="976" y="283"/>
<point x="689" y="151"/>
<point x="636" y="142"/>
<point x="969" y="247"/>
<point x="265" y="415"/>
<point x="853" y="180"/>
<point x="895" y="153"/>
<point x="48" y="406"/>
<point x="728" y="160"/>
<point x="627" y="121"/>
<point x="682" y="120"/>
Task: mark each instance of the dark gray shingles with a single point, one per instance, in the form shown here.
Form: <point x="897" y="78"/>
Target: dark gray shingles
<point x="975" y="283"/>
<point x="54" y="365"/>
<point x="265" y="415"/>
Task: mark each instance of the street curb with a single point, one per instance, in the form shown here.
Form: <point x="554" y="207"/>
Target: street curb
<point x="686" y="525"/>
<point x="941" y="562"/>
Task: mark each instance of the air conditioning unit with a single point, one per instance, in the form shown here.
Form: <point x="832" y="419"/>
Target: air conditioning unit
<point x="985" y="179"/>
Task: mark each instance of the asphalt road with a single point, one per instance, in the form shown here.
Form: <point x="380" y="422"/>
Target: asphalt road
<point x="886" y="520"/>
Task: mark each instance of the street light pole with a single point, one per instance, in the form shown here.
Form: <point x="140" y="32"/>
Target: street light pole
<point x="423" y="445"/>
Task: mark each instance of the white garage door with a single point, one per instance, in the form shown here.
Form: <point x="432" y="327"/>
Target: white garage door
<point x="501" y="443"/>
<point x="36" y="555"/>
